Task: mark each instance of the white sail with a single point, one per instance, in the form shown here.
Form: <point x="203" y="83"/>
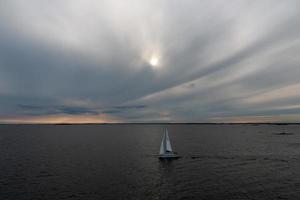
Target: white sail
<point x="165" y="151"/>
<point x="168" y="143"/>
<point x="162" y="145"/>
<point x="165" y="144"/>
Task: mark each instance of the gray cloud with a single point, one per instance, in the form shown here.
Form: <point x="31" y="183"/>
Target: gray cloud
<point x="216" y="59"/>
<point x="50" y="110"/>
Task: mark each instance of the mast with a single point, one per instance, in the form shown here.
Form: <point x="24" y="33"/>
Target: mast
<point x="165" y="141"/>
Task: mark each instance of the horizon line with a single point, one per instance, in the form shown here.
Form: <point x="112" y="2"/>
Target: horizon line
<point x="151" y="123"/>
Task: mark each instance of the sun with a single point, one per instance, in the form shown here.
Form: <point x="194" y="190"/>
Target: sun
<point x="153" y="61"/>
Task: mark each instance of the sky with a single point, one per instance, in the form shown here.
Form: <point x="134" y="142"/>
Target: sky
<point x="108" y="61"/>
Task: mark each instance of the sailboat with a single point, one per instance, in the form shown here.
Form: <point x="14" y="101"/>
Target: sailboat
<point x="166" y="151"/>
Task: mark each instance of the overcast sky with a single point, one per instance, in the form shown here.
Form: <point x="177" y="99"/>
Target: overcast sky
<point x="149" y="61"/>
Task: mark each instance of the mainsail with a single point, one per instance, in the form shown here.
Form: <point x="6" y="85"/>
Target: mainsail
<point x="165" y="146"/>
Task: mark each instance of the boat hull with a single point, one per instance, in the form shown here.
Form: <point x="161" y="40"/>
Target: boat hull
<point x="168" y="156"/>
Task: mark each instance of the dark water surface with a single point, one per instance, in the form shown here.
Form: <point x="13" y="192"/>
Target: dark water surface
<point x="118" y="162"/>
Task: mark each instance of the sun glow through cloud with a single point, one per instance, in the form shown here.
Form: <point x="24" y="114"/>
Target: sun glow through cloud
<point x="153" y="61"/>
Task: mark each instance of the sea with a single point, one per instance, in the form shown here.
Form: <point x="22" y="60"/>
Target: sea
<point x="218" y="161"/>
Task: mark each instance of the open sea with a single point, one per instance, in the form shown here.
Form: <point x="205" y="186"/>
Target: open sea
<point x="119" y="162"/>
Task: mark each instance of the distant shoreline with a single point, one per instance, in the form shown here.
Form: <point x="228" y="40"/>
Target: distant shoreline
<point x="150" y="123"/>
